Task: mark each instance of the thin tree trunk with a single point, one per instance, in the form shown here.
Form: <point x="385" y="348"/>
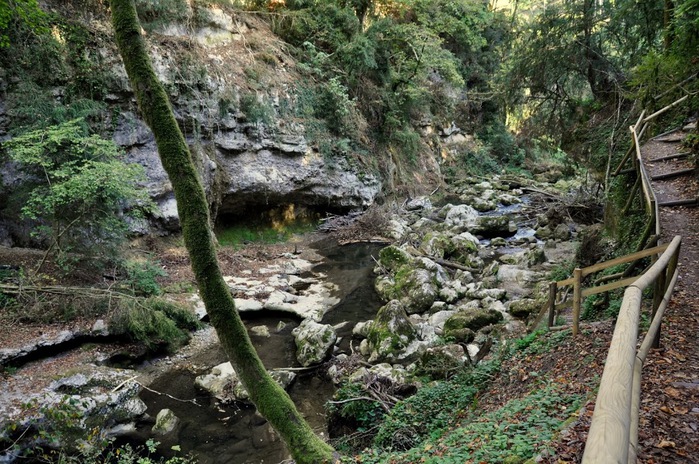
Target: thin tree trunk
<point x="271" y="400"/>
<point x="668" y="30"/>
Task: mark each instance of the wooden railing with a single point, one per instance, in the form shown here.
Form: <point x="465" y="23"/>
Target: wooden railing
<point x="579" y="293"/>
<point x="613" y="435"/>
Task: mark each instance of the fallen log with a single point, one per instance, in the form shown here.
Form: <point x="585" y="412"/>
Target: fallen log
<point x="450" y="264"/>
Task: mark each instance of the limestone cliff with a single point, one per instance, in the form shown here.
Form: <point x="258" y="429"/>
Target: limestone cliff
<point x="237" y="93"/>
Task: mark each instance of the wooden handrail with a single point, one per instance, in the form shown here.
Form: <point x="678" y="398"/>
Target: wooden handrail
<point x="613" y="430"/>
<point x="613" y="435"/>
<point x="586" y="271"/>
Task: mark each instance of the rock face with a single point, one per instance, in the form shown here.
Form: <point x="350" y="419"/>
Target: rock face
<point x="250" y="147"/>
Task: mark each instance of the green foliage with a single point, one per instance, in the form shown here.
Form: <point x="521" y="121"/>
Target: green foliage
<point x="473" y="162"/>
<point x="516" y="432"/>
<point x="81" y="191"/>
<point x="155" y="322"/>
<point x="536" y="343"/>
<point x="255" y="110"/>
<point x="407" y="143"/>
<point x="432" y="409"/>
<point x="26" y="13"/>
<point x="31" y="108"/>
<point x="335" y="107"/>
<point x="157" y="13"/>
<point x="596" y="307"/>
<point x="142" y="276"/>
<point x="562" y="270"/>
<point x="502" y="145"/>
<point x="397" y="69"/>
<point x="72" y="78"/>
<point x="353" y="404"/>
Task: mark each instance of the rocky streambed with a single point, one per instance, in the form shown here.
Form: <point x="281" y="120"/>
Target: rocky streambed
<point x="456" y="278"/>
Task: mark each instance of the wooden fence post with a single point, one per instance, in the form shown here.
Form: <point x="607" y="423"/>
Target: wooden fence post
<point x="577" y="299"/>
<point x="553" y="289"/>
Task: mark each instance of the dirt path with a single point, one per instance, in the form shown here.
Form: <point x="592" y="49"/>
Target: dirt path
<point x="669" y="421"/>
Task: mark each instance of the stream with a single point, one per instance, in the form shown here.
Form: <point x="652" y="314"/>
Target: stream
<point x="234" y="433"/>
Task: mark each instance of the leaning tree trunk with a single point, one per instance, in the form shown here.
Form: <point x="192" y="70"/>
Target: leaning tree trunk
<point x="271" y="400"/>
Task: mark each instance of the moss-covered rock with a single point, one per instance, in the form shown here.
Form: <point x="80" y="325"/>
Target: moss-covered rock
<point x="392" y="258"/>
<point x="523" y="308"/>
<point x="441" y="361"/>
<point x="494" y="226"/>
<point x="416" y="289"/>
<point x="314" y="342"/>
<point x="436" y="245"/>
<point x="474" y="320"/>
<point x="165" y="422"/>
<point x="390" y="333"/>
<point x="460" y="335"/>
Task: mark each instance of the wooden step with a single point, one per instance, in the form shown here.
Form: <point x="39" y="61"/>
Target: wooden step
<point x="670" y="175"/>
<point x="685" y="202"/>
<point x="670" y="157"/>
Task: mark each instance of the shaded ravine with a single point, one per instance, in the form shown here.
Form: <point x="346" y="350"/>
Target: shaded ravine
<point x="235" y="433"/>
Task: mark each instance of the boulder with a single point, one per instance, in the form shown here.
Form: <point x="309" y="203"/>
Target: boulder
<point x="314" y="342"/>
<point x="438" y="319"/>
<point x="517" y="281"/>
<point x="473" y="320"/>
<point x="389" y="374"/>
<point x="165" y="422"/>
<point x="523" y="308"/>
<point x="416" y="288"/>
<point x="390" y="334"/>
<point x="562" y="232"/>
<point x="494" y="226"/>
<point x="441" y="361"/>
<point x="224" y="384"/>
<point x="436" y="245"/>
<point x="419" y="203"/>
<point x="461" y="218"/>
<point x="392" y="258"/>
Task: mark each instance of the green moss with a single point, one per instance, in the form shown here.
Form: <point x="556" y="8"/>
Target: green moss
<point x="473" y="320"/>
<point x="393" y="257"/>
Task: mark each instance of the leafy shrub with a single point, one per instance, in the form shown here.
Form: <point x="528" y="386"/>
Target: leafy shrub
<point x="142" y="276"/>
<point x="433" y="408"/>
<point x="80" y="189"/>
<point x="352" y="403"/>
<point x="254" y="110"/>
<point x="502" y="144"/>
<point x="335" y="107"/>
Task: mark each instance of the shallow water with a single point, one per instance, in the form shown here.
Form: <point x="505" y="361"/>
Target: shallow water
<point x="222" y="434"/>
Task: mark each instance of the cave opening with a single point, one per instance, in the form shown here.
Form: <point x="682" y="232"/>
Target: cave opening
<point x="269" y="224"/>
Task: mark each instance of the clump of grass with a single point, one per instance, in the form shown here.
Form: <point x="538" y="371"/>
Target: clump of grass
<point x="239" y="235"/>
<point x="155" y="322"/>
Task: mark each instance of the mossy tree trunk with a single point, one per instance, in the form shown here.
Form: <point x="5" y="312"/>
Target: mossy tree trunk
<point x="271" y="400"/>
